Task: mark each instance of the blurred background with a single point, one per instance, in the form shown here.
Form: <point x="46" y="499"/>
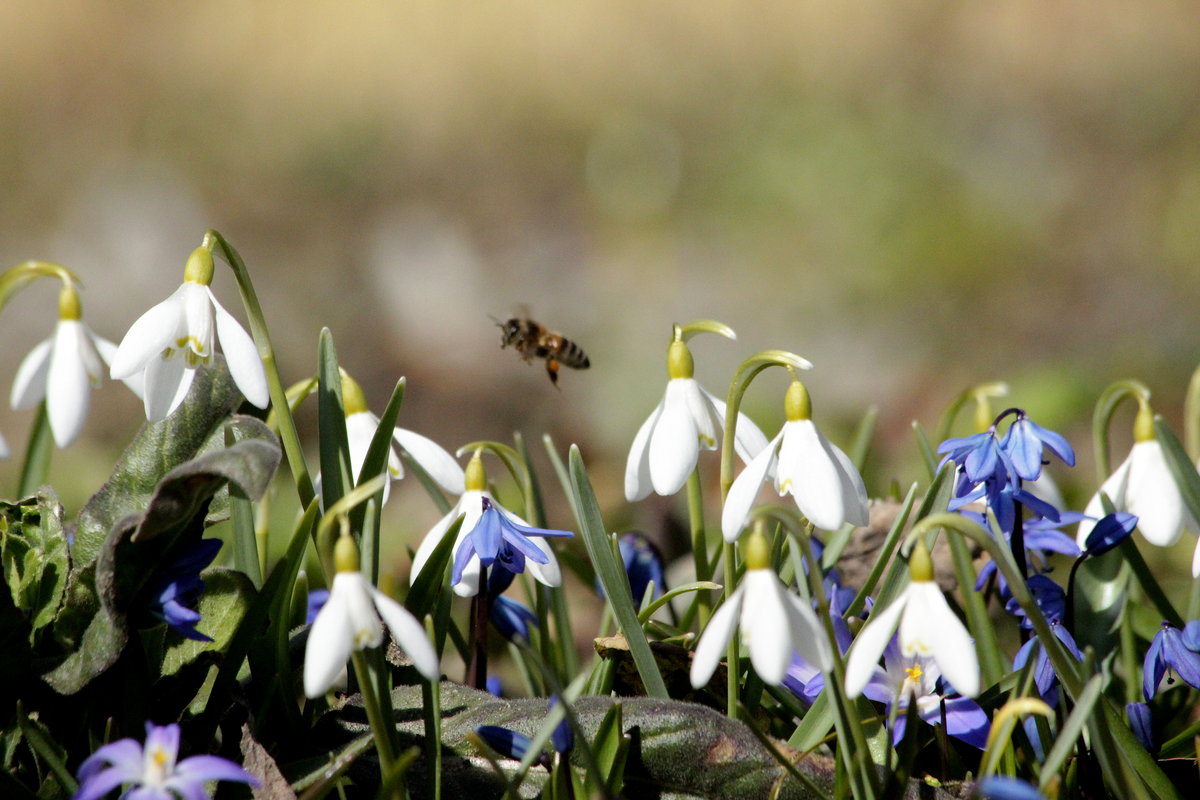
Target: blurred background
<point x="915" y="196"/>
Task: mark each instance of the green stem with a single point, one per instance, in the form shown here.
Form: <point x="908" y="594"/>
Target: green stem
<point x="732" y="657"/>
<point x="431" y="697"/>
<point x="695" y="503"/>
<point x="379" y="726"/>
<point x="288" y="435"/>
<point x="1191" y="416"/>
<point x="1106" y="405"/>
<point x="37" y="454"/>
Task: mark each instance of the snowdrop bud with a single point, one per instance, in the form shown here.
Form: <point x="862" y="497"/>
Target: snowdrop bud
<point x="476" y="476"/>
<point x="345" y="554"/>
<point x="68" y="304"/>
<point x="756" y="552"/>
<point x="797" y="404"/>
<point x="679" y="361"/>
<point x="353" y="399"/>
<point x="1143" y="424"/>
<point x="199" y="268"/>
<point x="920" y="565"/>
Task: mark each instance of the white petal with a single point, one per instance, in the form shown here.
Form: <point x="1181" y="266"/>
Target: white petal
<point x="929" y="627"/>
<point x="808" y="637"/>
<point x="68" y="385"/>
<point x="360" y="430"/>
<point x="433" y="458"/>
<point x="548" y="573"/>
<point x="715" y="638"/>
<point x="637" y="466"/>
<point x="1114" y="486"/>
<point x="854" y="491"/>
<point x="166" y="383"/>
<point x="29" y="386"/>
<point x="748" y="440"/>
<point x="409" y="633"/>
<point x="674" y="442"/>
<point x="1154" y="496"/>
<point x="108" y="351"/>
<point x="811" y="471"/>
<point x="241" y="355"/>
<point x="1195" y="557"/>
<point x="329" y="642"/>
<point x="360" y="610"/>
<point x="199" y="305"/>
<point x="431" y="540"/>
<point x="870" y="643"/>
<point x="703" y="410"/>
<point x="744" y="490"/>
<point x="766" y="628"/>
<point x="152" y="333"/>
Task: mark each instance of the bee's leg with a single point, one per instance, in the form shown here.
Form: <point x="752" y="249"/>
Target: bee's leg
<point x="552" y="370"/>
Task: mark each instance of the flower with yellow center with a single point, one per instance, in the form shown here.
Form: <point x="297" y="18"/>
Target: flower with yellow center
<point x="349" y="621"/>
<point x="926" y="627"/>
<point x="167" y="343"/>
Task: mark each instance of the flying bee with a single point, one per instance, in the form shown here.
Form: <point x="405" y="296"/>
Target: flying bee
<point x="533" y="340"/>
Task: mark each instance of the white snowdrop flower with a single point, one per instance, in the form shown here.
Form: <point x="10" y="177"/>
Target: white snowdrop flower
<point x="172" y="339"/>
<point x="820" y="477"/>
<point x="927" y="627"/>
<point x="349" y="621"/>
<point x="774" y="624"/>
<point x="687" y="420"/>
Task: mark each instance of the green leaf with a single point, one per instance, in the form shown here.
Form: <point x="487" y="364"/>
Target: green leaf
<point x="612" y="576"/>
<point x="33" y="549"/>
<point x="227" y="595"/>
<point x="331" y="424"/>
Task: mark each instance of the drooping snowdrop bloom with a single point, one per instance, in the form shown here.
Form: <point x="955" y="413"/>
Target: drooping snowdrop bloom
<point x="774" y="624"/>
<point x="689" y="419"/>
<point x="63" y="369"/>
<point x="349" y="621"/>
<point x="151" y="771"/>
<point x="172" y="339"/>
<point x="361" y="426"/>
<point x="927" y="627"/>
<point x="820" y="477"/>
<point x="470" y="507"/>
<point x="1143" y="485"/>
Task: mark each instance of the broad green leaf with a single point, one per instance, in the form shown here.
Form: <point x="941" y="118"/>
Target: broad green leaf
<point x="33" y="548"/>
<point x="227" y="595"/>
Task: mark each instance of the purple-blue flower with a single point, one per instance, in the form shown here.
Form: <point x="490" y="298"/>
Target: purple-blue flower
<point x="1109" y="532"/>
<point x="151" y="771"/>
<point x="1025" y="441"/>
<point x="1049" y="596"/>
<point x="511" y="618"/>
<point x="643" y="564"/>
<point x="1042" y="536"/>
<point x="563" y="737"/>
<point x="178" y="586"/>
<point x="1044" y="677"/>
<point x="1142" y="725"/>
<point x="1170" y="653"/>
<point x="1005" y="787"/>
<point x="316" y="601"/>
<point x="509" y="743"/>
<point x="917" y="679"/>
<point x="980" y="456"/>
<point x="496" y="539"/>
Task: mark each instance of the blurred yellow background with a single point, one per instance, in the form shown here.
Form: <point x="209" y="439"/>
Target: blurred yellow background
<point x="914" y="196"/>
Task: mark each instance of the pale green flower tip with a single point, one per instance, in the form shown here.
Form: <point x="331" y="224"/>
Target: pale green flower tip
<point x="756" y="552"/>
<point x="69" y="307"/>
<point x="797" y="405"/>
<point x="679" y="361"/>
<point x="476" y="475"/>
<point x="353" y="399"/>
<point x="1143" y="423"/>
<point x="920" y="564"/>
<point x="345" y="554"/>
<point x="199" y="267"/>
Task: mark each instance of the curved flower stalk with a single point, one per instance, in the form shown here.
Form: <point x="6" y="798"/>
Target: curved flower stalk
<point x="820" y="477"/>
<point x="926" y="627"/>
<point x="471" y="507"/>
<point x="167" y="343"/>
<point x="687" y="420"/>
<point x="349" y="621"/>
<point x="774" y="624"/>
<point x="361" y="425"/>
<point x="151" y="771"/>
<point x="1143" y="485"/>
<point x="63" y="369"/>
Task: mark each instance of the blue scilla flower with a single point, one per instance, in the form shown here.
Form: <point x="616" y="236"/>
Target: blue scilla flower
<point x="151" y="770"/>
<point x="498" y="539"/>
<point x="1005" y="787"/>
<point x="511" y="618"/>
<point x="178" y="586"/>
<point x="316" y="601"/>
<point x="1173" y="652"/>
<point x="563" y="737"/>
<point x="643" y="565"/>
<point x="1049" y="596"/>
<point x="1044" y="677"/>
<point x="1109" y="532"/>
<point x="509" y="743"/>
<point x="980" y="457"/>
<point x="1142" y="725"/>
<point x="1042" y="536"/>
<point x="1025" y="442"/>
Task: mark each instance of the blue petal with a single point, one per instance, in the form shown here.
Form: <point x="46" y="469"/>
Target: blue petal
<point x="1153" y="667"/>
<point x="487" y="535"/>
<point x="1109" y="532"/>
<point x="1003" y="787"/>
<point x="1141" y="723"/>
<point x="504" y="741"/>
<point x="965" y="720"/>
<point x="1024" y="448"/>
<point x="511" y="618"/>
<point x="462" y="556"/>
<point x="1185" y="662"/>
